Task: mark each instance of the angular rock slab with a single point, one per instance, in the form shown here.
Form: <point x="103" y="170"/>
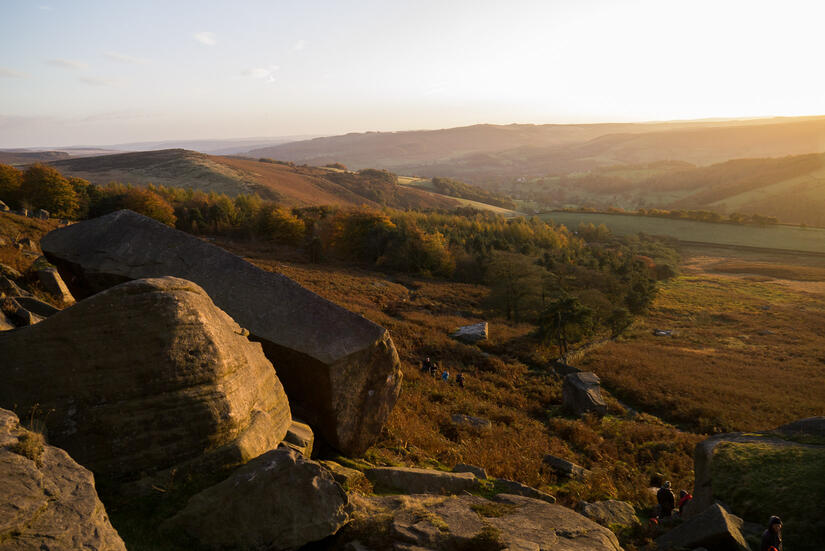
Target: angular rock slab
<point x="48" y="502"/>
<point x="421" y="481"/>
<point x="611" y="513"/>
<point x="713" y="528"/>
<point x="340" y="370"/>
<point x="581" y="393"/>
<point x="471" y="522"/>
<point x="279" y="500"/>
<point x="471" y="334"/>
<point x="147" y="376"/>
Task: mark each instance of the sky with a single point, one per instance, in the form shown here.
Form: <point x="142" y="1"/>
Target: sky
<point x="105" y="72"/>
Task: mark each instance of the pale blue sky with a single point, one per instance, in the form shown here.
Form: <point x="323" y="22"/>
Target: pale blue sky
<point x="98" y="72"/>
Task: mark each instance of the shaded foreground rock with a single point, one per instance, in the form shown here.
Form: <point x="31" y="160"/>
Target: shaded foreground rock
<point x="341" y="371"/>
<point x="421" y="481"/>
<point x="581" y="393"/>
<point x="52" y="282"/>
<point x="143" y="378"/>
<point x="714" y="529"/>
<point x="47" y="501"/>
<point x="611" y="513"/>
<point x="279" y="500"/>
<point x="426" y="522"/>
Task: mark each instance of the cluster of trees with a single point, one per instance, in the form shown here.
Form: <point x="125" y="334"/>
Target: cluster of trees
<point x="680" y="214"/>
<point x="572" y="285"/>
<point x="454" y="188"/>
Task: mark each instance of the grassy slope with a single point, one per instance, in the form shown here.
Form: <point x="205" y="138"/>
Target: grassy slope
<point x="760" y="480"/>
<point x="290" y="185"/>
<point x="770" y="237"/>
<point x="747" y="348"/>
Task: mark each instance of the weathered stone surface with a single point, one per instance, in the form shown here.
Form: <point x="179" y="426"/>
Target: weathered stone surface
<point x="15" y="312"/>
<point x="566" y="468"/>
<point x="27" y="244"/>
<point x="471" y="334"/>
<point x="611" y="513"/>
<point x="5" y="323"/>
<point x="515" y="523"/>
<point x="581" y="393"/>
<point x="714" y="528"/>
<point x="464" y="468"/>
<point x="147" y="376"/>
<point x="341" y="371"/>
<point x="279" y="500"/>
<point x="518" y="489"/>
<point x="47" y="501"/>
<point x="421" y="481"/>
<point x="299" y="437"/>
<point x="469" y="421"/>
<point x="52" y="282"/>
<point x="348" y="478"/>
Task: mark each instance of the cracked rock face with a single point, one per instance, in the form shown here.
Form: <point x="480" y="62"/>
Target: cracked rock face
<point x="144" y="378"/>
<point x="47" y="501"/>
<point x="340" y="370"/>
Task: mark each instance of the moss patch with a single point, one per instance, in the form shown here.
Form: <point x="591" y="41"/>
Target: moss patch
<point x="760" y="480"/>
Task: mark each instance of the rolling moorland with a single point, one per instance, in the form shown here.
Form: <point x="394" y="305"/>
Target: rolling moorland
<point x="743" y="305"/>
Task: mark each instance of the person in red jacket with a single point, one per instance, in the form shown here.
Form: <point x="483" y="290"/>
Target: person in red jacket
<point x="772" y="538"/>
<point x="684" y="499"/>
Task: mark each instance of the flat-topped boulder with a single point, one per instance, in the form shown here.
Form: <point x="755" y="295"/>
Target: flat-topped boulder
<point x="420" y="481"/>
<point x="47" y="500"/>
<point x="611" y="513"/>
<point x="144" y="378"/>
<point x="340" y="370"/>
<point x="470" y="522"/>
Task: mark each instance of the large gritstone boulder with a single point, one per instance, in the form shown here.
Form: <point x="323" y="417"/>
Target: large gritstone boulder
<point x="47" y="501"/>
<point x="144" y="378"/>
<point x="582" y="393"/>
<point x="714" y="529"/>
<point x="340" y="371"/>
<point x="279" y="500"/>
<point x="420" y="481"/>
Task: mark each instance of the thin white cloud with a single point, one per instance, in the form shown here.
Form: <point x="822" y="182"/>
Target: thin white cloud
<point x="68" y="64"/>
<point x="98" y="81"/>
<point x="299" y="45"/>
<point x="206" y="38"/>
<point x="263" y="73"/>
<point x="125" y="58"/>
<point x="9" y="73"/>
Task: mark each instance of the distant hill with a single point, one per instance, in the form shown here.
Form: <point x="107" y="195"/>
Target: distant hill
<point x="490" y="154"/>
<point x="19" y="157"/>
<point x="288" y="184"/>
<point x="791" y="188"/>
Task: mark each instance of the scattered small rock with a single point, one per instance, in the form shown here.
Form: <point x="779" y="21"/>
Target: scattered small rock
<point x="512" y="487"/>
<point x="300" y="438"/>
<point x="471" y="334"/>
<point x="464" y="468"/>
<point x="469" y="421"/>
<point x="566" y="468"/>
<point x="581" y="393"/>
<point x="611" y="513"/>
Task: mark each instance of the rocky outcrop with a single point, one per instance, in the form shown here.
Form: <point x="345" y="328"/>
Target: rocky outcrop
<point x="581" y="393"/>
<point x="464" y="468"/>
<point x="714" y="529"/>
<point x="420" y="481"/>
<point x="279" y="500"/>
<point x="468" y="522"/>
<point x="341" y="371"/>
<point x="566" y="468"/>
<point x="349" y="479"/>
<point x="144" y="378"/>
<point x="611" y="513"/>
<point x="15" y="313"/>
<point x="47" y="501"/>
<point x="471" y="334"/>
<point x="37" y="307"/>
<point x="477" y="423"/>
<point x="300" y="438"/>
<point x="518" y="489"/>
<point x="53" y="284"/>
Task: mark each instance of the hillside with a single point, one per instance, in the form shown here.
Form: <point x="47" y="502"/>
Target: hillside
<point x="790" y="188"/>
<point x="493" y="154"/>
<point x="290" y="185"/>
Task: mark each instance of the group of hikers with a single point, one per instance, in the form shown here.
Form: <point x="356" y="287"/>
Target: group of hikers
<point x="668" y="506"/>
<point x="431" y="368"/>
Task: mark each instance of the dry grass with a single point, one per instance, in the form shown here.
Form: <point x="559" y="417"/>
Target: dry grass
<point x="507" y="382"/>
<point x="747" y="353"/>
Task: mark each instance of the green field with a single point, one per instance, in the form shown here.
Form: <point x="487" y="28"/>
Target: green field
<point x="793" y="238"/>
